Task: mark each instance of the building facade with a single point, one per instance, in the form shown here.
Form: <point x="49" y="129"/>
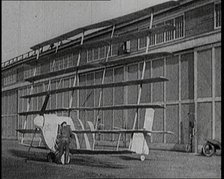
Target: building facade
<point x="193" y="91"/>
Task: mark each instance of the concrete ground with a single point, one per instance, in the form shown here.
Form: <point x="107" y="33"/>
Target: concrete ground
<point x="158" y="164"/>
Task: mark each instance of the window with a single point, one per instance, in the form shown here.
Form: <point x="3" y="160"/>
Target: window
<point x="89" y="55"/>
<point x="10" y="78"/>
<point x="102" y="52"/>
<point x="96" y="53"/>
<point x="114" y="50"/>
<point x="66" y="60"/>
<point x="142" y="42"/>
<point x="218" y="15"/>
<point x="152" y="39"/>
<point x="179" y="25"/>
<point x="58" y="64"/>
<point x="124" y="48"/>
<point x="160" y="36"/>
<point x="169" y="33"/>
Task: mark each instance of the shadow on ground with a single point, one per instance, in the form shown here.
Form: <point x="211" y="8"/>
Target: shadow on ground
<point x="75" y="160"/>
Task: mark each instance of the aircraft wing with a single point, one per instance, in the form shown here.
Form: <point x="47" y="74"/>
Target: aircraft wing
<point x="115" y="107"/>
<point x="106" y="85"/>
<point x="28" y="131"/>
<point x="125" y="131"/>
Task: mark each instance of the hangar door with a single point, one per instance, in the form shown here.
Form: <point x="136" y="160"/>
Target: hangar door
<point x="9" y="114"/>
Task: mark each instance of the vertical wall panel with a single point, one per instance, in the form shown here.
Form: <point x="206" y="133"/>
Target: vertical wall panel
<point x="204" y="127"/>
<point x="98" y="80"/>
<point x="59" y="95"/>
<point x="82" y="96"/>
<point x="172" y="75"/>
<point x="53" y="96"/>
<point x="172" y="123"/>
<point x="218" y="71"/>
<point x="118" y="99"/>
<point x="146" y="92"/>
<point x="187" y="76"/>
<point x="158" y="125"/>
<point x="158" y="70"/>
<point x="108" y="101"/>
<point x="132" y="93"/>
<point x="204" y="73"/>
<point x="185" y="110"/>
<point x="90" y="97"/>
<point x="66" y="94"/>
<point x="218" y="122"/>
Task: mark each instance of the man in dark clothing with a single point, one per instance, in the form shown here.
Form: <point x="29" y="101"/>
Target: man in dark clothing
<point x="99" y="127"/>
<point x="65" y="134"/>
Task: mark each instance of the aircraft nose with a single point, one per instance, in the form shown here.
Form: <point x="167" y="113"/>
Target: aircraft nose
<point x="38" y="121"/>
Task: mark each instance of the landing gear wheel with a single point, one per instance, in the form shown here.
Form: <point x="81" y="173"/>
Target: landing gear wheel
<point x="188" y="148"/>
<point x="51" y="157"/>
<point x="208" y="149"/>
<point x="142" y="158"/>
<point x="63" y="159"/>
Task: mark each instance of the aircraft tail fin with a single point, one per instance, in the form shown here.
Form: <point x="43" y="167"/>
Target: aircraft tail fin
<point x="138" y="142"/>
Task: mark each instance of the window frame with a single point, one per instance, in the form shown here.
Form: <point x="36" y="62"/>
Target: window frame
<point x="217" y="27"/>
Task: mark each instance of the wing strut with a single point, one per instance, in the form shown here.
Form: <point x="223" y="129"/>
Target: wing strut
<point x="31" y="145"/>
<point x="76" y="81"/>
<point x="142" y="77"/>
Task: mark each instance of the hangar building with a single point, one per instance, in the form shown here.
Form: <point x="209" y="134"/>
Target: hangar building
<point x="193" y="91"/>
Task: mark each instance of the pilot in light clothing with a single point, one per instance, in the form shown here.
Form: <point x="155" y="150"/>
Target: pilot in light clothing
<point x="65" y="134"/>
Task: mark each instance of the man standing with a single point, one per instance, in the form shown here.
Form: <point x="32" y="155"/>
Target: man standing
<point x="65" y="134"/>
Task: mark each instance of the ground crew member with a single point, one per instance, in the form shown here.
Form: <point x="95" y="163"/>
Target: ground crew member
<point x="65" y="134"/>
<point x="99" y="127"/>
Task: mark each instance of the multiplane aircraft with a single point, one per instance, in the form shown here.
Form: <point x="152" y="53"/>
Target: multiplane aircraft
<point x="47" y="125"/>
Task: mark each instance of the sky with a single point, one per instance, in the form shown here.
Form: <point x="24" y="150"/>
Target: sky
<point x="26" y="23"/>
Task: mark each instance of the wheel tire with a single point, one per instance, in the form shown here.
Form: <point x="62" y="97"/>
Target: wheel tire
<point x="51" y="157"/>
<point x="208" y="149"/>
<point x="188" y="148"/>
<point x="142" y="158"/>
<point x="63" y="158"/>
